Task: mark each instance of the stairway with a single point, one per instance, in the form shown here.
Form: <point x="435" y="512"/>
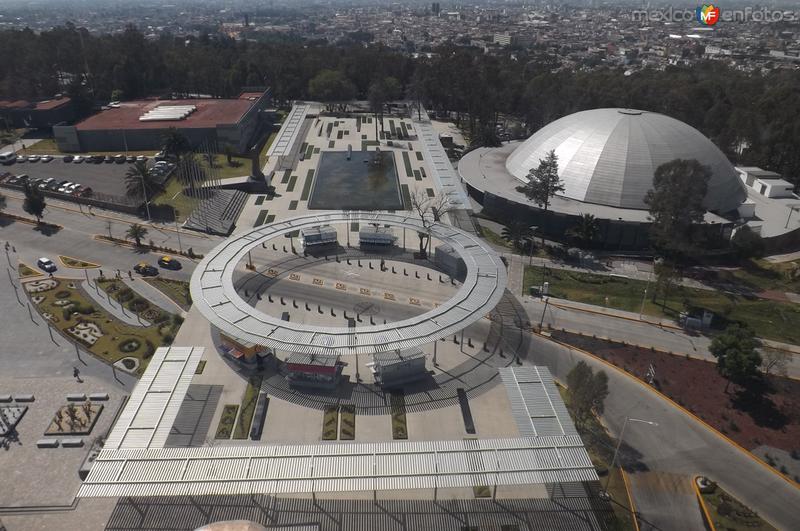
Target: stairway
<point x="218" y="213"/>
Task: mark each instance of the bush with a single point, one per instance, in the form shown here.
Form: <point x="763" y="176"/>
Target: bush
<point x="139" y="304"/>
<point x="83" y="309"/>
<point x="63" y="294"/>
<point x="129" y="345"/>
<point x="125" y="294"/>
<point x="177" y="320"/>
<point x="733" y="426"/>
<point x="724" y="509"/>
<point x="66" y="313"/>
<point x="168" y="339"/>
<point x="149" y="350"/>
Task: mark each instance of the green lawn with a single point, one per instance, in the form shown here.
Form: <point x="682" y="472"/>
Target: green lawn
<point x="242" y="430"/>
<point x="226" y="421"/>
<point x="262" y="157"/>
<point x="495" y="239"/>
<point x="768" y="319"/>
<point x="176" y="290"/>
<point x="761" y="275"/>
<point x="347" y="430"/>
<point x="729" y="513"/>
<point x="600" y="446"/>
<point x="47" y="146"/>
<point x="109" y="347"/>
<point x="330" y="423"/>
<point x="397" y="403"/>
<point x="26" y="271"/>
<point x="173" y="195"/>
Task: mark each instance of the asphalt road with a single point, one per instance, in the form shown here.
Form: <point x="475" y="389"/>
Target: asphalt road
<point x="640" y="333"/>
<point x="661" y="460"/>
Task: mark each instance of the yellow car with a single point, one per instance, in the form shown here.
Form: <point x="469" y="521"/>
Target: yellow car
<point x="167" y="262"/>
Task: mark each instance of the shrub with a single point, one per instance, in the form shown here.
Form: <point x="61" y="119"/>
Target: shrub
<point x="733" y="426"/>
<point x="149" y="350"/>
<point x="177" y="320"/>
<point x="168" y="339"/>
<point x="139" y="304"/>
<point x="161" y="317"/>
<point x="83" y="309"/>
<point x="63" y="294"/>
<point x="129" y="345"/>
<point x="66" y="313"/>
<point x="795" y="454"/>
<point x="724" y="509"/>
<point x="125" y="294"/>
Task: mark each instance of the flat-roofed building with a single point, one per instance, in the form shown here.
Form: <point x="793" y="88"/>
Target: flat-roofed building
<point x="140" y="125"/>
<point x="36" y="115"/>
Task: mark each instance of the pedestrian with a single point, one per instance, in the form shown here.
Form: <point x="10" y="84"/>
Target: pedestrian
<point x="76" y="373"/>
<point x="130" y="275"/>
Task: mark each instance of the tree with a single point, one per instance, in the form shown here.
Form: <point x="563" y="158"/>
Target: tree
<point x="587" y="391"/>
<point x="676" y="204"/>
<point x="586" y="230"/>
<point x="2" y="202"/>
<point x="667" y="275"/>
<point x="775" y="361"/>
<point x="228" y="150"/>
<point x="543" y="183"/>
<point x="117" y="95"/>
<point x="137" y="232"/>
<point x="332" y="87"/>
<point x="747" y="242"/>
<point x="737" y="358"/>
<point x="34" y="202"/>
<point x="516" y="233"/>
<point x="140" y="182"/>
<point x="430" y="210"/>
<point x="175" y="143"/>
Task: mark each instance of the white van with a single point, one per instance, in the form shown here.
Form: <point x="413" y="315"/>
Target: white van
<point x="8" y="157"/>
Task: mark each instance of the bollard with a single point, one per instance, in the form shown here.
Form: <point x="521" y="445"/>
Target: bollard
<point x="274" y="248"/>
<point x="371" y="320"/>
<point x="246" y="293"/>
<point x="384" y="321"/>
<point x="283" y="302"/>
<point x="393" y="271"/>
<point x="455" y="339"/>
<point x="345" y="315"/>
<point x="284" y="248"/>
<point x="405" y="273"/>
<point x="319" y="308"/>
<point x="269" y="297"/>
<point x="294" y="304"/>
<point x="258" y="296"/>
<point x="348" y="262"/>
<point x="429" y="276"/>
<point x="453" y="282"/>
<point x="359" y="264"/>
<point x="370" y="265"/>
<point x="308" y="308"/>
<point x="485" y="349"/>
<point x="337" y="258"/>
<point x="469" y="342"/>
<point x="358" y="317"/>
<point x="333" y="313"/>
<point x="441" y="279"/>
<point x="416" y="274"/>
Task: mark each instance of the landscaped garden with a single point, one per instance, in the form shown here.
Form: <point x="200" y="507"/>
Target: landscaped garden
<point x="242" y="430"/>
<point x="728" y="513"/>
<point x="397" y="407"/>
<point x="176" y="290"/>
<point x="769" y="319"/>
<point x="74" y="313"/>
<point x="767" y="415"/>
<point x="226" y="421"/>
<point x="75" y="263"/>
<point x="26" y="271"/>
<point x="330" y="423"/>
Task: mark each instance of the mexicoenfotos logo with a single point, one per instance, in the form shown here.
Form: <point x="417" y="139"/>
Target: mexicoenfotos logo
<point x="707" y="14"/>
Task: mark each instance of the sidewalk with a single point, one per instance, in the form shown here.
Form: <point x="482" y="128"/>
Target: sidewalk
<point x="154" y="295"/>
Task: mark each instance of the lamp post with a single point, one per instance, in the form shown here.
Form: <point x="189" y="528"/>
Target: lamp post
<point x="619" y="443"/>
<point x="146" y="200"/>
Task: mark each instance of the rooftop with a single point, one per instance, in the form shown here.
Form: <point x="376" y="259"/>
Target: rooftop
<point x="209" y="113"/>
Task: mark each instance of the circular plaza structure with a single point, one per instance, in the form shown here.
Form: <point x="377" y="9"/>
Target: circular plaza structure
<point x="214" y="294"/>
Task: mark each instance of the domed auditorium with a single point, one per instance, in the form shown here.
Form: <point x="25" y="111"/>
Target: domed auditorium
<point x="606" y="161"/>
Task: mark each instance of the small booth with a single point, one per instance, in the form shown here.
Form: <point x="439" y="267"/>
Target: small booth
<point x="393" y="368"/>
<point x="376" y="238"/>
<point x="320" y="236"/>
<point x="313" y="370"/>
<point x="243" y="352"/>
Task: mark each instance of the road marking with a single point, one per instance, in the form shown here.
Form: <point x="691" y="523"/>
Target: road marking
<point x="388" y="296"/>
<point x="341" y="286"/>
<point x="413" y="301"/>
<point x="272" y="273"/>
<point x="352" y="273"/>
<point x="294" y="276"/>
<point x="365" y="291"/>
<point x="318" y="282"/>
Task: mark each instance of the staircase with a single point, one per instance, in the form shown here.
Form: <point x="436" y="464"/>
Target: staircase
<point x="217" y="214"/>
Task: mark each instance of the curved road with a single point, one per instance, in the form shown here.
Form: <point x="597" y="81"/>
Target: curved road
<point x="661" y="460"/>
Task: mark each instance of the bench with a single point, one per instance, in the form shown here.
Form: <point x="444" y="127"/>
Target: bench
<point x="76" y="397"/>
<point x="24" y="398"/>
<point x="47" y="443"/>
<point x="97" y="397"/>
<point x="77" y="442"/>
<point x="5" y="398"/>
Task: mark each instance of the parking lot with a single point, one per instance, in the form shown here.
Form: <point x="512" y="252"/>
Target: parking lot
<point x="102" y="178"/>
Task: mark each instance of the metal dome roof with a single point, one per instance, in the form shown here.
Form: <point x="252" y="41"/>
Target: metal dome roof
<point x="609" y="157"/>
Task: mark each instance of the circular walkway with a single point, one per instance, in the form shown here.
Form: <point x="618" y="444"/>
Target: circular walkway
<point x="213" y="292"/>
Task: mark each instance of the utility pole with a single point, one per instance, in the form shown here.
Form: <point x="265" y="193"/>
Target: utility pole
<point x="177" y="229"/>
<point x="619" y="443"/>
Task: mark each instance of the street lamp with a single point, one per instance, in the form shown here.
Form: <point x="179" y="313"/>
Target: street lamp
<point x="619" y="443"/>
<point x="146" y="201"/>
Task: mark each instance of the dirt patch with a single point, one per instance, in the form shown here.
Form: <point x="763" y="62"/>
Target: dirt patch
<point x="772" y="419"/>
<point x="773" y="295"/>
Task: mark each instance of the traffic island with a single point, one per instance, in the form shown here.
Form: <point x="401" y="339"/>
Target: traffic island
<point x="723" y="511"/>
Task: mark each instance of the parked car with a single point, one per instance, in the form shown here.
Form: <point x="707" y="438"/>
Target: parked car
<point x="78" y="159"/>
<point x="86" y="192"/>
<point x="74" y="189"/>
<point x="145" y="269"/>
<point x="44" y="182"/>
<point x="130" y="158"/>
<point x="67" y="158"/>
<point x="119" y="158"/>
<point x="108" y="159"/>
<point x="8" y="157"/>
<point x="97" y="159"/>
<point x="34" y="158"/>
<point x="47" y="158"/>
<point x="21" y="158"/>
<point x="45" y="264"/>
<point x="64" y="187"/>
<point x="55" y="185"/>
<point x="167" y="262"/>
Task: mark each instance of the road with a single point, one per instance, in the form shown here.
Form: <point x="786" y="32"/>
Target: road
<point x="662" y="459"/>
<point x="631" y="331"/>
<point x="76" y="238"/>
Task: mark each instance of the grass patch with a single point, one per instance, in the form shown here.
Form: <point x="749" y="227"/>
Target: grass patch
<point x="481" y="491"/>
<point x="74" y="263"/>
<point x="495" y="239"/>
<point x="347" y="431"/>
<point x="729" y="513"/>
<point x="309" y="151"/>
<point x="293" y="204"/>
<point x="173" y="195"/>
<point x="201" y="366"/>
<point x="768" y="319"/>
<point x="307" y="185"/>
<point x="397" y="405"/>
<point x="176" y="290"/>
<point x="262" y="156"/>
<point x="139" y="341"/>
<point x="330" y="423"/>
<point x="406" y="196"/>
<point x="248" y="408"/>
<point x="226" y="421"/>
<point x="292" y="182"/>
<point x="26" y="271"/>
<point x="48" y="146"/>
<point x="600" y="446"/>
<point x="407" y="164"/>
<point x="419" y="155"/>
<point x="260" y="200"/>
<point x="260" y="218"/>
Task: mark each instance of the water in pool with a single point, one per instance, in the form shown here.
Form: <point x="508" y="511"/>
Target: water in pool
<point x="368" y="181"/>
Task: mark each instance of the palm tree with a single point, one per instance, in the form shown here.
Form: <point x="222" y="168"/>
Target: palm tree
<point x="175" y="143"/>
<point x="137" y="232"/>
<point x="516" y="233"/>
<point x="139" y="181"/>
<point x="586" y="230"/>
